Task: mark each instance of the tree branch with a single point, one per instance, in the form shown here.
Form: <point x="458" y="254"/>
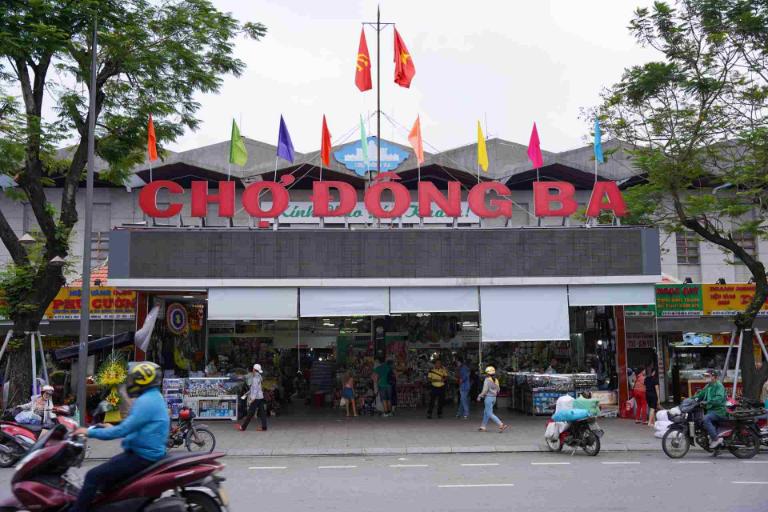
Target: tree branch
<point x="11" y="242"/>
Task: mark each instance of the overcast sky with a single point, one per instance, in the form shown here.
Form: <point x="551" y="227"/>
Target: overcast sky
<point x="505" y="63"/>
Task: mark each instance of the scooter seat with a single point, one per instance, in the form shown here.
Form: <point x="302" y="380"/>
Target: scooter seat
<point x="28" y="426"/>
<point x="162" y="462"/>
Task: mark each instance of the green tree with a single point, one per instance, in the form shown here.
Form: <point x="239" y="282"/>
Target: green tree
<point x="696" y="123"/>
<point x="153" y="57"/>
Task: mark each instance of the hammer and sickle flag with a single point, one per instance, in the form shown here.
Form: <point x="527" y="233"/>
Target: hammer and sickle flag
<point x="404" y="67"/>
<point x="363" y="73"/>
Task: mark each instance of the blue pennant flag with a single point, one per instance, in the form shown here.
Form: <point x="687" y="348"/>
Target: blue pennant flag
<point x="284" y="144"/>
<point x="598" y="143"/>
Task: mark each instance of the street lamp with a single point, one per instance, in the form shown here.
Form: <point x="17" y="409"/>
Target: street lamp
<point x="27" y="239"/>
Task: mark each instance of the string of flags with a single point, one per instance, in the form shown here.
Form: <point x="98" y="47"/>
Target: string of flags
<point x="238" y="153"/>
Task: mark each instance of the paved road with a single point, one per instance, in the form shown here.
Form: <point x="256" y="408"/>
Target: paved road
<point x="638" y="481"/>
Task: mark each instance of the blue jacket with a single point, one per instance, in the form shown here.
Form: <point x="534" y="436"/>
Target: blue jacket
<point x="145" y="429"/>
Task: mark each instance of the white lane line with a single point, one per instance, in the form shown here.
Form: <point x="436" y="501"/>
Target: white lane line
<point x="693" y="462"/>
<point x="618" y="463"/>
<point x="268" y="467"/>
<point x="550" y="463"/>
<point x="409" y="465"/>
<point x="755" y="461"/>
<point x="751" y="483"/>
<point x="480" y="464"/>
<point x="336" y="467"/>
<point x="460" y="486"/>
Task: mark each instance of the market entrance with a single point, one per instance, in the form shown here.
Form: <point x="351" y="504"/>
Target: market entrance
<point x="306" y="361"/>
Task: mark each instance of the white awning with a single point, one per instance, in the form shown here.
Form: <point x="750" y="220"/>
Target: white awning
<point x="448" y="299"/>
<point x="611" y="295"/>
<point x="315" y="302"/>
<point x="524" y="313"/>
<point x="252" y="303"/>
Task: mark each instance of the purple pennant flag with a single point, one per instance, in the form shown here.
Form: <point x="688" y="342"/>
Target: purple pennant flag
<point x="284" y="144"/>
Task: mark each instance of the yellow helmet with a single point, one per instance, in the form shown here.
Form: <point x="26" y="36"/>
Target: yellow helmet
<point x="143" y="376"/>
<point x="490" y="370"/>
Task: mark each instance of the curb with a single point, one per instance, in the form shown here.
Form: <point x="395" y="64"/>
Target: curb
<point x="414" y="450"/>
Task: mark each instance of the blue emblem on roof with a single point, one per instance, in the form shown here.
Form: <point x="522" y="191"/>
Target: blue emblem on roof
<point x="351" y="156"/>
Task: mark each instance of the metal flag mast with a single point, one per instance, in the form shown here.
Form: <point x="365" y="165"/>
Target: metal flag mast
<point x="378" y="27"/>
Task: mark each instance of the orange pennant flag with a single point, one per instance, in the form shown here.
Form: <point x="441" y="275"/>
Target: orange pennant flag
<point x="416" y="143"/>
<point x="151" y="140"/>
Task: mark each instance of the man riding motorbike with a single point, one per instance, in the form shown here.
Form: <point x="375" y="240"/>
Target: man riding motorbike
<point x="713" y="396"/>
<point x="145" y="433"/>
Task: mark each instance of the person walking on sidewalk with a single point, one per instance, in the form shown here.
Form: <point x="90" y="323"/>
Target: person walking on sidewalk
<point x="348" y="394"/>
<point x="488" y="394"/>
<point x="437" y="378"/>
<point x="382" y="375"/>
<point x="256" y="396"/>
<point x="714" y="398"/>
<point x="652" y="393"/>
<point x="638" y="393"/>
<point x="463" y="371"/>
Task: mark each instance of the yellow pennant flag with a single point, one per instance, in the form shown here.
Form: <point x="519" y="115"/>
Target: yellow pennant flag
<point x="482" y="152"/>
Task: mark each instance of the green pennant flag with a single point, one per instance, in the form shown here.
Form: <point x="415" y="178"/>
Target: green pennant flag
<point x="364" y="142"/>
<point x="237" y="152"/>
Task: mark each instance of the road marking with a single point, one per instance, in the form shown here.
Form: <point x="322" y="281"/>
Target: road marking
<point x="459" y="486"/>
<point x="268" y="467"/>
<point x="693" y="462"/>
<point x="409" y="465"/>
<point x="402" y="458"/>
<point x="481" y="464"/>
<point x="550" y="463"/>
<point x="336" y="467"/>
<point x="618" y="463"/>
<point x="755" y="461"/>
<point x="751" y="483"/>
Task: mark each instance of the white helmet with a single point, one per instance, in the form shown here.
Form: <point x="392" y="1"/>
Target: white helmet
<point x="47" y="389"/>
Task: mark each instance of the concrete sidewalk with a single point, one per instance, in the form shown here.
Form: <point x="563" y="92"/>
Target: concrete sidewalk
<point x="407" y="433"/>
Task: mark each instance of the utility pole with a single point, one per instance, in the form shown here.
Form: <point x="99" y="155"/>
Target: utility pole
<point x="85" y="291"/>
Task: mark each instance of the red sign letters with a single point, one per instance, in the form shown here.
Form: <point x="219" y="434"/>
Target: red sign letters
<point x="488" y="199"/>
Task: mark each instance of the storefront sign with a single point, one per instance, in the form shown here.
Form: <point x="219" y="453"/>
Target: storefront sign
<point x="486" y="199"/>
<point x="647" y="311"/>
<point x="678" y="300"/>
<point x="107" y="303"/>
<point x="301" y="212"/>
<point x="640" y="340"/>
<point x="729" y="299"/>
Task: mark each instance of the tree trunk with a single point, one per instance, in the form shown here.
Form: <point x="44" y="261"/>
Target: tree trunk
<point x="20" y="363"/>
<point x="752" y="378"/>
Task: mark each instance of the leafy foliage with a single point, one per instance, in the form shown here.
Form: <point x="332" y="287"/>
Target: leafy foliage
<point x="696" y="124"/>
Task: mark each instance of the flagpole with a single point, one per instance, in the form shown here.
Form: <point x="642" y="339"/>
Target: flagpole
<point x="378" y="89"/>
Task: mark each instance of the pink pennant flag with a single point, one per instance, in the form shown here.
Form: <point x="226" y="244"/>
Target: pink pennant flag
<point x="534" y="149"/>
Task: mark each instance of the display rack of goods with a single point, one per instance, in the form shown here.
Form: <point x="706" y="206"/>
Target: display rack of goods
<point x="584" y="381"/>
<point x="214" y="398"/>
<point x="173" y="390"/>
<point x="408" y="395"/>
<point x="544" y="400"/>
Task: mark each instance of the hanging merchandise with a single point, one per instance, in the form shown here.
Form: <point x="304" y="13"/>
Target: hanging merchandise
<point x="177" y="319"/>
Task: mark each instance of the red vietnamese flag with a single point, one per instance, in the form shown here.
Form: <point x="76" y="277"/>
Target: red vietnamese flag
<point x="534" y="149"/>
<point x="325" y="145"/>
<point x="151" y="140"/>
<point x="363" y="73"/>
<point x="404" y="68"/>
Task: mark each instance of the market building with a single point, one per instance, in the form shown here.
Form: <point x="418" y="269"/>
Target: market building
<point x="244" y="269"/>
<point x="324" y="295"/>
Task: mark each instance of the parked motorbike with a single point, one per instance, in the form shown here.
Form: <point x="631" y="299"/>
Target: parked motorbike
<point x="16" y="439"/>
<point x="187" y="433"/>
<point x="177" y="483"/>
<point x="740" y="433"/>
<point x="750" y="408"/>
<point x="584" y="434"/>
